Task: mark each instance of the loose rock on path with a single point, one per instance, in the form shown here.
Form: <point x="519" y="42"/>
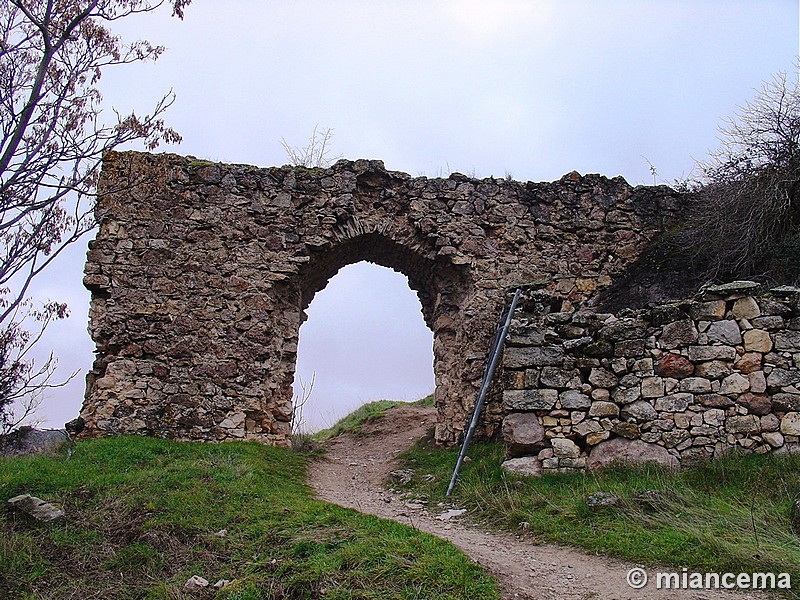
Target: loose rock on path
<point x="354" y="473"/>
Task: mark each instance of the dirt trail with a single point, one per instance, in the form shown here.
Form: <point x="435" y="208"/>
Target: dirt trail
<point x="354" y="473"/>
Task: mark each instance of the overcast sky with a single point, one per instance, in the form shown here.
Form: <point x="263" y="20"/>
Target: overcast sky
<point x="531" y="88"/>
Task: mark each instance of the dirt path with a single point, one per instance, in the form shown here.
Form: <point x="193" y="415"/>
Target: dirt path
<point x="354" y="473"/>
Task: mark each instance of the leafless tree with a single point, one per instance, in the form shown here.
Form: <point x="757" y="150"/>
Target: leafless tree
<point x="316" y="153"/>
<point x="52" y="141"/>
<point x="749" y="216"/>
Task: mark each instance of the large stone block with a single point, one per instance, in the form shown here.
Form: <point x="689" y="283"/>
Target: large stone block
<point x="787" y="341"/>
<point x="524" y="357"/>
<point x="530" y="399"/>
<point x="522" y="433"/>
<point x="625" y="451"/>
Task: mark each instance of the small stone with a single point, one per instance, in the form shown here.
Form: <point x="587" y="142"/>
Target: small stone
<point x="703" y="353"/>
<point x="602" y="378"/>
<point x="626" y="430"/>
<point x="525" y="465"/>
<point x="756" y="404"/>
<point x="713" y="369"/>
<point x="708" y="311"/>
<point x="748" y="362"/>
<point x="725" y="332"/>
<point x="757" y="340"/>
<point x="564" y="448"/>
<point x="600" y="500"/>
<point x="790" y="424"/>
<point x="746" y="308"/>
<point x="735" y="384"/>
<point x="641" y="410"/>
<point x="36" y="508"/>
<point x="787" y="341"/>
<point x="695" y="385"/>
<point x="574" y="399"/>
<point x="673" y="403"/>
<point x="597" y="437"/>
<point x="773" y="438"/>
<point x="743" y="424"/>
<point x="195" y="584"/>
<point x="603" y="409"/>
<point x="678" y="334"/>
<point x="758" y="383"/>
<point x="674" y="365"/>
<point x="652" y="387"/>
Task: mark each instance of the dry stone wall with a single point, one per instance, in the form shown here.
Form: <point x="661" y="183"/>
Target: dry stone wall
<point x="674" y="383"/>
<point x="201" y="272"/>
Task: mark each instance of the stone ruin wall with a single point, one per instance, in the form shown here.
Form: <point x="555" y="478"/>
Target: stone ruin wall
<point x="201" y="272"/>
<point x="674" y="383"/>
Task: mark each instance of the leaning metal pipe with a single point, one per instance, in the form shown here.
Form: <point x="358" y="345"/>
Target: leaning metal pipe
<point x="497" y="348"/>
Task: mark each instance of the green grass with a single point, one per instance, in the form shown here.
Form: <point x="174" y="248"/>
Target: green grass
<point x="142" y="515"/>
<point x="729" y="515"/>
<point x="353" y="422"/>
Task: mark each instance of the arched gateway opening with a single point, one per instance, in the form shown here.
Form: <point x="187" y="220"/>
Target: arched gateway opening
<point x="364" y="340"/>
<point x="201" y="272"/>
<point x="439" y="286"/>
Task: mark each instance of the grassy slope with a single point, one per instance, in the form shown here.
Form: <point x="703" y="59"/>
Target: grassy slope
<point x="363" y="414"/>
<point x="142" y="514"/>
<point x="729" y="515"/>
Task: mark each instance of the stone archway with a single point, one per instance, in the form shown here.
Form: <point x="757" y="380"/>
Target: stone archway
<point x="200" y="274"/>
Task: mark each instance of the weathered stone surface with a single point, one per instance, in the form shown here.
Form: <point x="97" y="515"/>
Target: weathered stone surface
<point x="786" y="402"/>
<point x="603" y="378"/>
<point x="757" y="340"/>
<point x="678" y="334"/>
<point x="788" y="341"/>
<point x="748" y="362"/>
<point x="713" y="369"/>
<point x="530" y="399"/>
<point x="200" y="275"/>
<point x="524" y="465"/>
<point x="626" y="430"/>
<point x="522" y="433"/>
<point x="743" y="424"/>
<point x="733" y="288"/>
<point x="621" y="450"/>
<point x="675" y="366"/>
<point x="564" y="448"/>
<point x="735" y="383"/>
<point x="641" y="411"/>
<point x="674" y="402"/>
<point x="746" y="308"/>
<point x="790" y="424"/>
<point x="572" y="399"/>
<point x="36" y="508"/>
<point x="724" y="332"/>
<point x="782" y="377"/>
<point x="715" y="401"/>
<point x="652" y="387"/>
<point x="521" y="358"/>
<point x="708" y="311"/>
<point x="603" y="409"/>
<point x="704" y="353"/>
<point x="695" y="385"/>
<point x="756" y="404"/>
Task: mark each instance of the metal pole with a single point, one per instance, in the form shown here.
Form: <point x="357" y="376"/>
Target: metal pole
<point x="487" y="379"/>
